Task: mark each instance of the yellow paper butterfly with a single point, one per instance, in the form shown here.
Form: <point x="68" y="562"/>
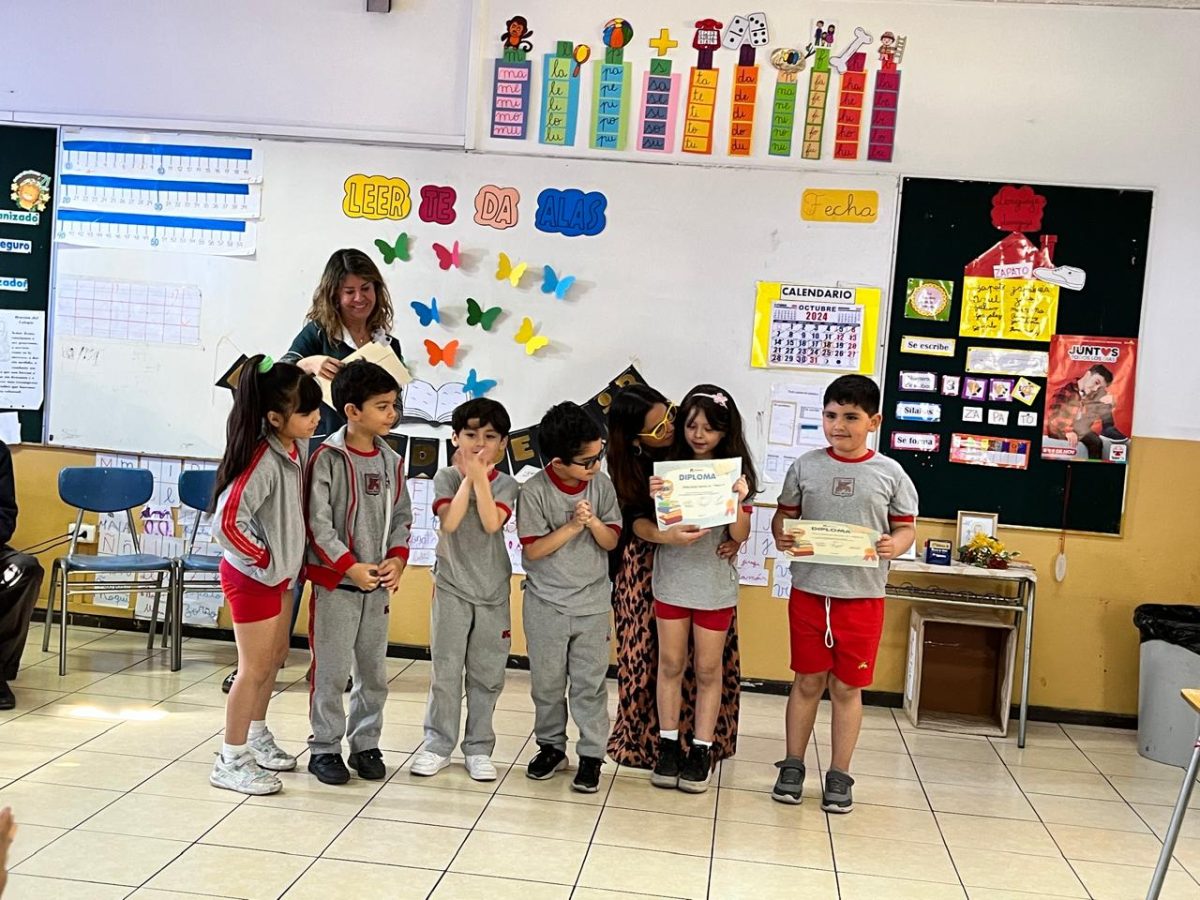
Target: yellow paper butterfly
<point x="525" y="335"/>
<point x="507" y="270"/>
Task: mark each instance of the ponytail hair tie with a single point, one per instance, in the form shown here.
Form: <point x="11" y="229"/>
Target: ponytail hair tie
<point x="265" y="366"/>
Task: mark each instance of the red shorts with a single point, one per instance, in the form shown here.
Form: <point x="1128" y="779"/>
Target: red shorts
<point x="250" y="600"/>
<point x="855" y="626"/>
<point x="710" y="619"/>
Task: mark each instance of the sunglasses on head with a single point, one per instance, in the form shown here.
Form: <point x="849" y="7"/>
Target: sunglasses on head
<point x="668" y="419"/>
<point x="590" y="461"/>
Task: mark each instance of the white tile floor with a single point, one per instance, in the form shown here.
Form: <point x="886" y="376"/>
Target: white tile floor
<point x="107" y="770"/>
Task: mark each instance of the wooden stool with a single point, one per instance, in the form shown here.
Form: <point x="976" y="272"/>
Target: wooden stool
<point x="1192" y="696"/>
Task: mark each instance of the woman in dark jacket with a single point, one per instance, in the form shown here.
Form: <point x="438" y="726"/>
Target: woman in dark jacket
<point x="350" y="308"/>
<point x="640" y="430"/>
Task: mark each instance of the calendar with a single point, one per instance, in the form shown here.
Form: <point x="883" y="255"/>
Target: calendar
<point x="815" y="327"/>
<point x="816" y="336"/>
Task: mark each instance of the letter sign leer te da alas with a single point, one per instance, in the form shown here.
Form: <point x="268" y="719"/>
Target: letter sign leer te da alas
<point x="376" y="197"/>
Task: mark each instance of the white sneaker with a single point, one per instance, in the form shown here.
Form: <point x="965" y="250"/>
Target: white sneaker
<point x="243" y="775"/>
<point x="480" y="767"/>
<point x="426" y="762"/>
<point x="270" y="755"/>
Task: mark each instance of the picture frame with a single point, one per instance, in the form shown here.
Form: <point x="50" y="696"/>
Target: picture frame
<point x="968" y="523"/>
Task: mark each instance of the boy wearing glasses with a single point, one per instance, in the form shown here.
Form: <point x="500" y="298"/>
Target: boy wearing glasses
<point x="568" y="519"/>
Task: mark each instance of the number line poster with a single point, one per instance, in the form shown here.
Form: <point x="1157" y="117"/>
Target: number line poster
<point x="821" y="327"/>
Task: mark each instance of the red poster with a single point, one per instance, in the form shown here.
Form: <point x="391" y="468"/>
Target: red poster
<point x="1089" y="399"/>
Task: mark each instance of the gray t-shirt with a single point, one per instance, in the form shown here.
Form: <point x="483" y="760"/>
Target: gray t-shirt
<point x="472" y="564"/>
<point x="694" y="577"/>
<point x="873" y="491"/>
<point x="574" y="578"/>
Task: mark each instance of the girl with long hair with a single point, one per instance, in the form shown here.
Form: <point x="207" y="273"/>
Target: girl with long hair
<point x="696" y="593"/>
<point x="258" y="519"/>
<point x="641" y="429"/>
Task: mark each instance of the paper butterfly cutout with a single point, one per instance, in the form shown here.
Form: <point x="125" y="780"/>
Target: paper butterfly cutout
<point x="484" y="318"/>
<point x="507" y="270"/>
<point x="427" y="312"/>
<point x="476" y="387"/>
<point x="444" y="355"/>
<point x="552" y="284"/>
<point x="526" y="335"/>
<point x="448" y="257"/>
<point x="398" y="251"/>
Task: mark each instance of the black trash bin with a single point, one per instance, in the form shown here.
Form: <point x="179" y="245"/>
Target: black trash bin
<point x="1170" y="661"/>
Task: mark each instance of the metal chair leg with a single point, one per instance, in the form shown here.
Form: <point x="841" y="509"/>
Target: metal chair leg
<point x="177" y="622"/>
<point x="153" y="617"/>
<point x="54" y="571"/>
<point x="62" y="627"/>
<point x="1168" y="847"/>
<point x="166" y="622"/>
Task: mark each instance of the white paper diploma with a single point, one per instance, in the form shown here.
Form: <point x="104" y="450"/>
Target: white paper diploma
<point x="697" y="492"/>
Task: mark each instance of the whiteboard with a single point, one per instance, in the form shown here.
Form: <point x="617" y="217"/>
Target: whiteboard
<point x="323" y="68"/>
<point x="668" y="285"/>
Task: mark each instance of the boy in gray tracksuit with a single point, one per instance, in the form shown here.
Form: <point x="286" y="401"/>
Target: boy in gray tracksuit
<point x="469" y="626"/>
<point x="359" y="516"/>
<point x="568" y="520"/>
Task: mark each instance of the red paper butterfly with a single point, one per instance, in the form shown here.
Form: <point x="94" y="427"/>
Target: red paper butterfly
<point x="448" y="257"/>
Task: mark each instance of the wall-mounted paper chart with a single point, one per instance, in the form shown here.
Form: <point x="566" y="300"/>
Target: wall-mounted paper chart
<point x="113" y="155"/>
<point x="210" y="199"/>
<point x="133" y="231"/>
<point x="142" y="311"/>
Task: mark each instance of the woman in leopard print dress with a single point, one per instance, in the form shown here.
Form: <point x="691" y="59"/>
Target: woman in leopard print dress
<point x="640" y="429"/>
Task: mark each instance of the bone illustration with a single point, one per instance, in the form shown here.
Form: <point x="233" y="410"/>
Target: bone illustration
<point x="861" y="39"/>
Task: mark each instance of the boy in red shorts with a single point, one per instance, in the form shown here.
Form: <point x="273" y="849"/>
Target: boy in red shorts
<point x="835" y="613"/>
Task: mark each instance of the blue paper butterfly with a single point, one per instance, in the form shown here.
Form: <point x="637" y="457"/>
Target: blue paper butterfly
<point x="475" y="387"/>
<point x="427" y="312"/>
<point x="552" y="284"/>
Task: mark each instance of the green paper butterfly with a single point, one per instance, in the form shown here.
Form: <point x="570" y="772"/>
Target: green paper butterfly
<point x="391" y="253"/>
<point x="484" y="318"/>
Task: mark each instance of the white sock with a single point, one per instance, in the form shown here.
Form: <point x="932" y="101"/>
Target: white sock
<point x="669" y="735"/>
<point x="257" y="729"/>
<point x="700" y="743"/>
<point x="231" y="752"/>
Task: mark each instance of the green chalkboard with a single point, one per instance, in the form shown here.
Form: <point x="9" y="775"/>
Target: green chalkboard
<point x="946" y="225"/>
<point x="25" y="233"/>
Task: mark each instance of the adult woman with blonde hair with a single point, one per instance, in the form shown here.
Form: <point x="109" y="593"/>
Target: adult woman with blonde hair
<point x="350" y="308"/>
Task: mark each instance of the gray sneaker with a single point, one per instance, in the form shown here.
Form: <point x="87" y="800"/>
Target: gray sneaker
<point x="269" y="755"/>
<point x="838" y="796"/>
<point x="243" y="775"/>
<point x="789" y="785"/>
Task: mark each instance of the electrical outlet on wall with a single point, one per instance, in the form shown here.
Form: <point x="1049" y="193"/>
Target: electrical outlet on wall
<point x="87" y="532"/>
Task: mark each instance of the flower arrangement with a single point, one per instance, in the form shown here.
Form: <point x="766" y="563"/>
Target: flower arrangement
<point x="986" y="552"/>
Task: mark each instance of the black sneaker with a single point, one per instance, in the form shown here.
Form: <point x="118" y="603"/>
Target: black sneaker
<point x="789" y="786"/>
<point x="368" y="764"/>
<point x="693" y="777"/>
<point x="548" y="761"/>
<point x="838" y="796"/>
<point x="587" y="779"/>
<point x="670" y="760"/>
<point x="8" y="699"/>
<point x="329" y="768"/>
<point x="228" y="682"/>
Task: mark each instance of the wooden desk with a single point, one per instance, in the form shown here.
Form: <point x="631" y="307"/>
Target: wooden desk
<point x="1020" y="606"/>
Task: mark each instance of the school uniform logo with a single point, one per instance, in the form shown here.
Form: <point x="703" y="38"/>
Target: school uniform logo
<point x="843" y="487"/>
<point x="373" y="483"/>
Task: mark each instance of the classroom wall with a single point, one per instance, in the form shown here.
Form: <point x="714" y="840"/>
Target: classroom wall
<point x="1085" y="653"/>
<point x="1061" y="94"/>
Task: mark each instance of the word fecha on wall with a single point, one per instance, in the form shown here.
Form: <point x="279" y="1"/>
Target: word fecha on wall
<point x="570" y="212"/>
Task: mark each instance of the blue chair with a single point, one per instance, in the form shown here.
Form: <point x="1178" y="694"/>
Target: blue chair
<point x="195" y="491"/>
<point x="102" y="490"/>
